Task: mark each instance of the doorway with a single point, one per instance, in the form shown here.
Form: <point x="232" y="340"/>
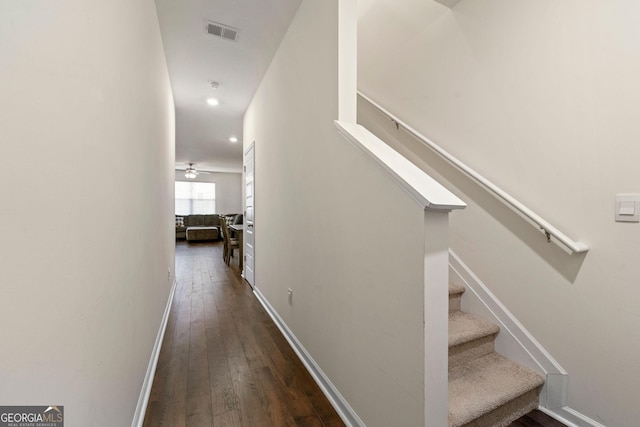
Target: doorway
<point x="249" y="236"/>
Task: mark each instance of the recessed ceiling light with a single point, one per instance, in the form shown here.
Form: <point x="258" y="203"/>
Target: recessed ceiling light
<point x="233" y="139"/>
<point x="213" y="102"/>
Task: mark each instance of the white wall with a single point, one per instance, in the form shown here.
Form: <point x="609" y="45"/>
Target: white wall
<point x="228" y="190"/>
<point x="86" y="160"/>
<point x="326" y="220"/>
<point x="542" y="97"/>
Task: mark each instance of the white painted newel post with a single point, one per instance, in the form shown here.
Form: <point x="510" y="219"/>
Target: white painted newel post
<point x="436" y="303"/>
<point x="437" y="202"/>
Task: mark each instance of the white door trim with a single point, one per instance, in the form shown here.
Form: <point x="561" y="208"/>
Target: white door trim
<point x="249" y="235"/>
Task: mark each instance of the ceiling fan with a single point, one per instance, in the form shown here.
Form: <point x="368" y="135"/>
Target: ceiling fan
<point x="191" y="172"/>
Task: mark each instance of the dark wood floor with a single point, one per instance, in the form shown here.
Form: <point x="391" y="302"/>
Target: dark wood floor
<point x="223" y="361"/>
<point x="536" y="419"/>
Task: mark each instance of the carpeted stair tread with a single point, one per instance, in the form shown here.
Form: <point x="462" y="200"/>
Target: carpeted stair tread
<point x="464" y="327"/>
<point x="486" y="384"/>
<point x="455" y="289"/>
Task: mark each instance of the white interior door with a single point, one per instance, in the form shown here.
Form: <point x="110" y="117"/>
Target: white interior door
<point x="249" y="246"/>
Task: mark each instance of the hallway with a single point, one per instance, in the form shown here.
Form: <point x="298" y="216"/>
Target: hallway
<point x="223" y="361"/>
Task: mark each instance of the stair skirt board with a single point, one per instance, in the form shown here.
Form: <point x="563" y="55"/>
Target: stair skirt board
<point x="342" y="407"/>
<point x="517" y="344"/>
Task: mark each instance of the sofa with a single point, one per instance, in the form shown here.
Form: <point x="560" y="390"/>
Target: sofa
<point x="198" y="227"/>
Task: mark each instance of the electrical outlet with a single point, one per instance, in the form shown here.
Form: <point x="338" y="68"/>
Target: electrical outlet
<point x="168" y="273"/>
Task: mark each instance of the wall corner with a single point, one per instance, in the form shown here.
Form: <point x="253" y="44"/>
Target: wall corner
<point x="347" y="60"/>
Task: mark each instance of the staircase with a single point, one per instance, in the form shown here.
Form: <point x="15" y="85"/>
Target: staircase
<point x="485" y="388"/>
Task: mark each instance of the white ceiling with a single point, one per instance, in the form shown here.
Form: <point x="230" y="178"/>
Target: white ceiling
<point x="195" y="58"/>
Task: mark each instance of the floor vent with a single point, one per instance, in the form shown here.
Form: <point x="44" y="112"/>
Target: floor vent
<point x="221" y="30"/>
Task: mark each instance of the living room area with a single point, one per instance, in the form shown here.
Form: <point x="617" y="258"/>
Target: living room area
<point x="202" y="202"/>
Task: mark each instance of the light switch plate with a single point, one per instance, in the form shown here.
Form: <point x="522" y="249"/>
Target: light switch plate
<point x="628" y="208"/>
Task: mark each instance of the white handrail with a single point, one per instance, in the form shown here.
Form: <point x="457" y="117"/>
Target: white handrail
<point x="548" y="229"/>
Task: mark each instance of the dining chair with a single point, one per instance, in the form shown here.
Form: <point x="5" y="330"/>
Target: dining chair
<point x="229" y="243"/>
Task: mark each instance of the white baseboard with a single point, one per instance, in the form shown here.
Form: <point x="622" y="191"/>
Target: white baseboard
<point x="347" y="414"/>
<point x="516" y="343"/>
<point x="570" y="417"/>
<point x="143" y="400"/>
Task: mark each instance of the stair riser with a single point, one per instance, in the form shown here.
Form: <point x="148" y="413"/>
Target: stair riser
<point x="504" y="415"/>
<point x="461" y="354"/>
<point x="455" y="301"/>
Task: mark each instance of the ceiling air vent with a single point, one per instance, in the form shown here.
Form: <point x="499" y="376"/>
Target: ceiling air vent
<point x="221" y="30"/>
